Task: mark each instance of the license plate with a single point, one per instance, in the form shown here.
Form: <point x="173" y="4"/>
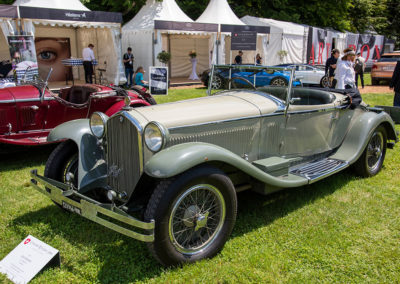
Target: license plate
<point x="71" y="208"/>
<point x="388" y="68"/>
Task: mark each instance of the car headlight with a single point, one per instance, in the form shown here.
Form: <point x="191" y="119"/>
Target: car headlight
<point x="154" y="136"/>
<point x="98" y="124"/>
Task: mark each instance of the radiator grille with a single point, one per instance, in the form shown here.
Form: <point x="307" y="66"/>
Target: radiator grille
<point x="123" y="154"/>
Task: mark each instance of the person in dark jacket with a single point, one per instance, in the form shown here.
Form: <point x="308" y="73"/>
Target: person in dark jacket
<point x="330" y="66"/>
<point x="395" y="83"/>
<point x="238" y="58"/>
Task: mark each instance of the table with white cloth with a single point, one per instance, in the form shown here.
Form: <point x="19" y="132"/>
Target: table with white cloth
<point x="26" y="74"/>
<point x="76" y="62"/>
<point x="194" y="76"/>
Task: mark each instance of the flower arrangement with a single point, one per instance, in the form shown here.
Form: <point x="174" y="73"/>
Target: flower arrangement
<point x="164" y="57"/>
<point x="192" y="54"/>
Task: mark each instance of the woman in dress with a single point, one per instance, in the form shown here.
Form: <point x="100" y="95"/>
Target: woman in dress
<point x="345" y="75"/>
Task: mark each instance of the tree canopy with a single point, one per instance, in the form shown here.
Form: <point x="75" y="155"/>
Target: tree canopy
<point x="360" y="16"/>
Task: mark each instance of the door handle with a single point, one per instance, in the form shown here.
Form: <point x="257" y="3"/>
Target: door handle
<point x="35" y="108"/>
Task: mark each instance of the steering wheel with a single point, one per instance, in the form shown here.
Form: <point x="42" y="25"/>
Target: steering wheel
<point x="243" y="79"/>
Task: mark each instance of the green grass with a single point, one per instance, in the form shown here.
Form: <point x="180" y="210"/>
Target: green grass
<point x="343" y="229"/>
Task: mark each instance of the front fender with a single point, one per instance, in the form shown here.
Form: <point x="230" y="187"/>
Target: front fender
<point x="92" y="169"/>
<point x="179" y="158"/>
<point x="121" y="104"/>
<point x="360" y="133"/>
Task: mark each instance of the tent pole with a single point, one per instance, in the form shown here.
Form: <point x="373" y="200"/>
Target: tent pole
<point x="77" y="54"/>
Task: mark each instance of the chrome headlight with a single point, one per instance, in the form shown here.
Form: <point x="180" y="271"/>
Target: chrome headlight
<point x="98" y="124"/>
<point x="154" y="136"/>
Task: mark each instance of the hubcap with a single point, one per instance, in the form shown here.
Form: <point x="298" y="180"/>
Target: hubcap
<point x="278" y="82"/>
<point x="197" y="218"/>
<point x="375" y="151"/>
<point x="216" y="83"/>
<point x="71" y="170"/>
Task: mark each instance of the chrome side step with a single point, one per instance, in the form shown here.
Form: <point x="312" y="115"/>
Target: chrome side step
<point x="318" y="170"/>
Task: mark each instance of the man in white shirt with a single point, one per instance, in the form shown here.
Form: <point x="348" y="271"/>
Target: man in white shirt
<point x="88" y="57"/>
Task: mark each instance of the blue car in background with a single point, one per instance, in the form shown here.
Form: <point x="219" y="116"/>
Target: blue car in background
<point x="259" y="78"/>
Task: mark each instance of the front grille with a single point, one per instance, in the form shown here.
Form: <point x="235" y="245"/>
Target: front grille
<point x="124" y="157"/>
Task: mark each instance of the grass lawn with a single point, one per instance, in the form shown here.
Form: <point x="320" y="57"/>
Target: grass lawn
<point x="343" y="229"/>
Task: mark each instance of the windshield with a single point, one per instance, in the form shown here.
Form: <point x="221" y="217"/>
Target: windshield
<point x="227" y="77"/>
<point x="389" y="58"/>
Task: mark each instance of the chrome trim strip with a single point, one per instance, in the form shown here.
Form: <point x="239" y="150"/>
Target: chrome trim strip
<point x="133" y="120"/>
<point x="7" y="101"/>
<point x="228" y="120"/>
<point x="26" y="100"/>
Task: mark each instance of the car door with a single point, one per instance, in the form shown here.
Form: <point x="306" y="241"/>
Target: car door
<point x="308" y="128"/>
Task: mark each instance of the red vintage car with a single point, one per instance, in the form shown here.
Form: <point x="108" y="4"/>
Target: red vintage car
<point x="28" y="112"/>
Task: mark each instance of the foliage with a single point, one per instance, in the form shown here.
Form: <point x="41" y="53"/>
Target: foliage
<point x="343" y="229"/>
<point x="164" y="57"/>
<point x="282" y="54"/>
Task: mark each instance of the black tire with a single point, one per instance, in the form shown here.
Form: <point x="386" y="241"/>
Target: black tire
<point x="371" y="160"/>
<point x="175" y="213"/>
<point x="374" y="82"/>
<point x="324" y="83"/>
<point x="62" y="160"/>
<point x="279" y="81"/>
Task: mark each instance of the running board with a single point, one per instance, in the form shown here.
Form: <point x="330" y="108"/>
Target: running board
<point x="318" y="170"/>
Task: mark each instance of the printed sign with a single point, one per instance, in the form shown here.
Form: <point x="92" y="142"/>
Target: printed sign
<point x="29" y="258"/>
<point x="244" y="40"/>
<point x="50" y="53"/>
<point x="158" y="83"/>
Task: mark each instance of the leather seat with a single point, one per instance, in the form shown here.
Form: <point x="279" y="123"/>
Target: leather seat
<point x="78" y="94"/>
<point x="307" y="96"/>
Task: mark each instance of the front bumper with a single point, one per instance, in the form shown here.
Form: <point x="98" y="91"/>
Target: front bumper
<point x="60" y="193"/>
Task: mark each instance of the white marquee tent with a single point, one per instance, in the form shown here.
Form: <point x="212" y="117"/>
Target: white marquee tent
<point x="147" y="41"/>
<point x="59" y="19"/>
<point x="219" y="12"/>
<point x="293" y="39"/>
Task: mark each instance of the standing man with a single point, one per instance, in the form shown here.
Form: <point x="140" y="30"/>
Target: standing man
<point x="359" y="67"/>
<point x="88" y="58"/>
<point x="395" y="83"/>
<point x="330" y="66"/>
<point x="128" y="62"/>
<point x="238" y="58"/>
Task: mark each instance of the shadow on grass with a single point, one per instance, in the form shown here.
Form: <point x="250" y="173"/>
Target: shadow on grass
<point x="17" y="157"/>
<point x="125" y="260"/>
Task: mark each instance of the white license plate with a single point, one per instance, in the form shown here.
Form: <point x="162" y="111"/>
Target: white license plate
<point x="388" y="68"/>
<point x="71" y="208"/>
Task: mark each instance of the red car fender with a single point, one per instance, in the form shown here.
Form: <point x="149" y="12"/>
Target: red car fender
<point x="135" y="102"/>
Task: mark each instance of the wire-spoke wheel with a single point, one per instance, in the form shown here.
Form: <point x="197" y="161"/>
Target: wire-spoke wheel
<point x="279" y="81"/>
<point x="194" y="215"/>
<point x="197" y="218"/>
<point x="371" y="161"/>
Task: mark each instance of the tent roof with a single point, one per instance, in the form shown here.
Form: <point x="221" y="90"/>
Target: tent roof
<point x="53" y="4"/>
<point x="219" y="12"/>
<point x="287" y="27"/>
<point x="166" y="10"/>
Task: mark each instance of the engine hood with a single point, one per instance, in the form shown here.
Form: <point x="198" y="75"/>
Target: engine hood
<point x="19" y="93"/>
<point x="228" y="105"/>
<point x="6" y="96"/>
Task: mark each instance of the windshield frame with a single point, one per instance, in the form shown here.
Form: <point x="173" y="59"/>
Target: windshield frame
<point x="257" y="68"/>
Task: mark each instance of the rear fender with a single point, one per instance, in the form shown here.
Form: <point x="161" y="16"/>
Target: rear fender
<point x="179" y="158"/>
<point x="121" y="104"/>
<point x="360" y="133"/>
<point x="92" y="167"/>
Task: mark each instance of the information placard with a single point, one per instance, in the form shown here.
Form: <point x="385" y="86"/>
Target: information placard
<point x="158" y="83"/>
<point x="29" y="258"/>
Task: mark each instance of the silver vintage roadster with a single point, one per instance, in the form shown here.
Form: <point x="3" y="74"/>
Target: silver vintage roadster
<point x="169" y="174"/>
